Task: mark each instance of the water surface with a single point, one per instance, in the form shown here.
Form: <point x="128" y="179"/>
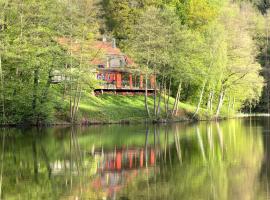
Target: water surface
<point x="206" y="160"/>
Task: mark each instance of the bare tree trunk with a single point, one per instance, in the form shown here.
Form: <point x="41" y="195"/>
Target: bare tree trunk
<point x="159" y="100"/>
<point x="160" y="96"/>
<point x="2" y="91"/>
<point x="74" y="104"/>
<point x="70" y="104"/>
<point x="175" y="105"/>
<point x="178" y="100"/>
<point x="209" y="100"/>
<point x="35" y="95"/>
<point x="145" y="98"/>
<point x="78" y="102"/>
<point x="229" y="106"/>
<point x="164" y="94"/>
<point x="267" y="62"/>
<point x="233" y="104"/>
<point x="220" y="102"/>
<point x="65" y="85"/>
<point x="155" y="97"/>
<point x="168" y="97"/>
<point x="200" y="99"/>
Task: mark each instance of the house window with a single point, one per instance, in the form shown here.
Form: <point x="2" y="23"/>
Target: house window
<point x="100" y="66"/>
<point x="100" y="77"/>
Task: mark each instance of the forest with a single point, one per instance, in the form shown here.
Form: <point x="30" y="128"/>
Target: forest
<point x="211" y="54"/>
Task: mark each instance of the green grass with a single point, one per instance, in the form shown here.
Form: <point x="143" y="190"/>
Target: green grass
<point x="113" y="108"/>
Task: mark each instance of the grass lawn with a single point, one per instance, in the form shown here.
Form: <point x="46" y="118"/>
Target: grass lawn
<point x="112" y="108"/>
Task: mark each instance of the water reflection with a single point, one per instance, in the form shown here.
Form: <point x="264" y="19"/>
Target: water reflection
<point x="209" y="160"/>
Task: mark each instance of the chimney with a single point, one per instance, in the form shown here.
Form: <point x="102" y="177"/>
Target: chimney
<point x="113" y="43"/>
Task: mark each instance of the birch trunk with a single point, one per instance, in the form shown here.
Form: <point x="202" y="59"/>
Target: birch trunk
<point x="159" y="100"/>
<point x="2" y="91"/>
<point x="35" y="95"/>
<point x="168" y="98"/>
<point x="200" y="100"/>
<point x="178" y="101"/>
<point x="145" y="98"/>
<point x="220" y="102"/>
<point x="229" y="106"/>
<point x="155" y="97"/>
<point x="164" y="94"/>
<point x="175" y="105"/>
<point x="160" y="96"/>
<point x="233" y="103"/>
<point x="209" y="100"/>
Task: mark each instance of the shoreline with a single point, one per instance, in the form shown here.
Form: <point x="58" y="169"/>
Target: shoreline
<point x="120" y="122"/>
<point x="132" y="122"/>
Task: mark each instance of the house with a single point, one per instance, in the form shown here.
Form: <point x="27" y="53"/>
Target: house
<point x="116" y="72"/>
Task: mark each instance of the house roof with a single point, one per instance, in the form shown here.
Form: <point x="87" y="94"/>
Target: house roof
<point x="98" y="49"/>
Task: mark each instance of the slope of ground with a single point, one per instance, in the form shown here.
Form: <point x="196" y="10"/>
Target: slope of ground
<point x="118" y="108"/>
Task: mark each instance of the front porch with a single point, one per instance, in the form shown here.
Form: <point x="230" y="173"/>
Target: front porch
<point x="122" y="82"/>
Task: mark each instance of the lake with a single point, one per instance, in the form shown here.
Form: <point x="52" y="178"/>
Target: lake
<point x="206" y="160"/>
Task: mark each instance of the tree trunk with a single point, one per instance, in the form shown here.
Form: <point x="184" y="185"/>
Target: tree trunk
<point x="158" y="104"/>
<point x="168" y="98"/>
<point x="209" y="101"/>
<point x="70" y="103"/>
<point x="200" y="100"/>
<point x="178" y="100"/>
<point x="229" y="106"/>
<point x="267" y="63"/>
<point x="164" y="94"/>
<point x="233" y="103"/>
<point x="78" y="102"/>
<point x="46" y="90"/>
<point x="155" y="97"/>
<point x="220" y="102"/>
<point x="160" y="95"/>
<point x="175" y="105"/>
<point x="145" y="98"/>
<point x="35" y="95"/>
<point x="2" y="91"/>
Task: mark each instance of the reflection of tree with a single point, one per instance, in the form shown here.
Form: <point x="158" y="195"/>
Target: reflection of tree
<point x="213" y="167"/>
<point x="264" y="174"/>
<point x="217" y="161"/>
<point x="2" y="162"/>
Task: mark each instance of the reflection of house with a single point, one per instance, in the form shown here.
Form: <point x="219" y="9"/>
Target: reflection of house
<point x="117" y="168"/>
<point x="111" y="170"/>
<point x="127" y="159"/>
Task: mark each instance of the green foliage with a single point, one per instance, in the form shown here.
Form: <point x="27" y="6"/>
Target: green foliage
<point x="208" y="46"/>
<point x="30" y="53"/>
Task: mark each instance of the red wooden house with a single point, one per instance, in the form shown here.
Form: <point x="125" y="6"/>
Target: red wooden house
<point x="115" y="70"/>
<point x="118" y="73"/>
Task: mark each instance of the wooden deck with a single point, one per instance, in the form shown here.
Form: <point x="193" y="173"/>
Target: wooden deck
<point x="123" y="91"/>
